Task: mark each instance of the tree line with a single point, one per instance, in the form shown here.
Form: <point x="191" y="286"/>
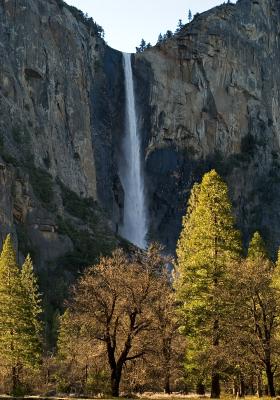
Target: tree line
<point x="229" y="301"/>
<point x="206" y="321"/>
<point x="163" y="37"/>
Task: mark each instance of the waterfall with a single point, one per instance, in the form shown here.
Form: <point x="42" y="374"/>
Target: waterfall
<point x="134" y="226"/>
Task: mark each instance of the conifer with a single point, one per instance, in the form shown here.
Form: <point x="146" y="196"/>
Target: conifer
<point x="257" y="249"/>
<point x="20" y="329"/>
<point x="10" y="311"/>
<point x="207" y="243"/>
<point x="160" y="39"/>
<point x="32" y="326"/>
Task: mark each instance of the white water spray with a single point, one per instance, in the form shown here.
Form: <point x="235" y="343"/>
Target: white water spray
<point x="134" y="226"/>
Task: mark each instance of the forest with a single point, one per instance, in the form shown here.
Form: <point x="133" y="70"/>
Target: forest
<point x="206" y="322"/>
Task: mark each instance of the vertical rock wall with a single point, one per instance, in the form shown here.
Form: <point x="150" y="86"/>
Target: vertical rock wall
<point x="213" y="96"/>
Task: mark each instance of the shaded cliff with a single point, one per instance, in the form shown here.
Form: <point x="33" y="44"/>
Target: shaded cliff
<point x="212" y="100"/>
<point x="60" y="102"/>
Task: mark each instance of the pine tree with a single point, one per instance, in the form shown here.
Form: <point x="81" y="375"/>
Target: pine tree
<point x="160" y="39"/>
<point x="10" y="312"/>
<point x="32" y="326"/>
<point x="190" y="16"/>
<point x="142" y="46"/>
<point x="257" y="249"/>
<point x="168" y="34"/>
<point x="207" y="243"/>
<point x="20" y="329"/>
<point x="179" y="26"/>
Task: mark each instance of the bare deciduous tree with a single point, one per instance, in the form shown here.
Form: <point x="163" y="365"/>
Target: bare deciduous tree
<point x="115" y="303"/>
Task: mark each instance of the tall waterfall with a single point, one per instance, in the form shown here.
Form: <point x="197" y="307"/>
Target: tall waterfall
<point x="134" y="226"/>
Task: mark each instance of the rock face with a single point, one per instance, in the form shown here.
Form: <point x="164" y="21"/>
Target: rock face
<point x="212" y="94"/>
<point x="56" y="141"/>
<point x="208" y="97"/>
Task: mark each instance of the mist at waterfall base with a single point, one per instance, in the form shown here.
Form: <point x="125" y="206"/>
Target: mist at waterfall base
<point x="134" y="227"/>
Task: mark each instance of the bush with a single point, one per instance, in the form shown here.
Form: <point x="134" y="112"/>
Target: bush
<point x="42" y="184"/>
<point x="88" y="247"/>
<point x="82" y="208"/>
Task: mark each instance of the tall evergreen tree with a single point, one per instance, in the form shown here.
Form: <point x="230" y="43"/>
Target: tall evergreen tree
<point x="257" y="249"/>
<point x="32" y="326"/>
<point x="142" y="47"/>
<point x="168" y="34"/>
<point x="20" y="328"/>
<point x="10" y="312"/>
<point x="179" y="26"/>
<point x="160" y="39"/>
<point x="190" y="16"/>
<point x="207" y="243"/>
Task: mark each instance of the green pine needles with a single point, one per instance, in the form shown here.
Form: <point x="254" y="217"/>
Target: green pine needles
<point x="20" y="309"/>
<point x="207" y="243"/>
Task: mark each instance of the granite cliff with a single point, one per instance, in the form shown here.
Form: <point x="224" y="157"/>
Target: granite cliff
<point x="208" y="97"/>
<point x="211" y="99"/>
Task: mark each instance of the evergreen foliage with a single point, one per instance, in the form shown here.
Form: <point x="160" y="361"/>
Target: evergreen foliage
<point x="20" y="328"/>
<point x="179" y="26"/>
<point x="168" y="34"/>
<point x="160" y="39"/>
<point x="143" y="46"/>
<point x="11" y="307"/>
<point x="208" y="242"/>
<point x="32" y="326"/>
<point x="257" y="249"/>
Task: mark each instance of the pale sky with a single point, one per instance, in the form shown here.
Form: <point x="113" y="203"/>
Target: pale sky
<point x="126" y="22"/>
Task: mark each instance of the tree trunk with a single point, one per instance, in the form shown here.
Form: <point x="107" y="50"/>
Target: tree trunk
<point x="215" y="382"/>
<point x="241" y="391"/>
<point x="115" y="382"/>
<point x="259" y="385"/>
<point x="215" y="386"/>
<point x="270" y="380"/>
<point x="167" y="388"/>
<point x="14" y="380"/>
<point x="200" y="389"/>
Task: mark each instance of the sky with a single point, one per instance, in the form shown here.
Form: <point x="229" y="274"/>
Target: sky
<point x="126" y="22"/>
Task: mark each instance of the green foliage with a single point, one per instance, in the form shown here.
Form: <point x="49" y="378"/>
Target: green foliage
<point x="143" y="46"/>
<point x="180" y="26"/>
<point x="208" y="242"/>
<point x="248" y="144"/>
<point x="10" y="306"/>
<point x="160" y="39"/>
<point x="32" y="327"/>
<point x="10" y="159"/>
<point x="78" y="207"/>
<point x="257" y="249"/>
<point x="42" y="184"/>
<point x="88" y="248"/>
<point x="20" y="329"/>
<point x="208" y="239"/>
